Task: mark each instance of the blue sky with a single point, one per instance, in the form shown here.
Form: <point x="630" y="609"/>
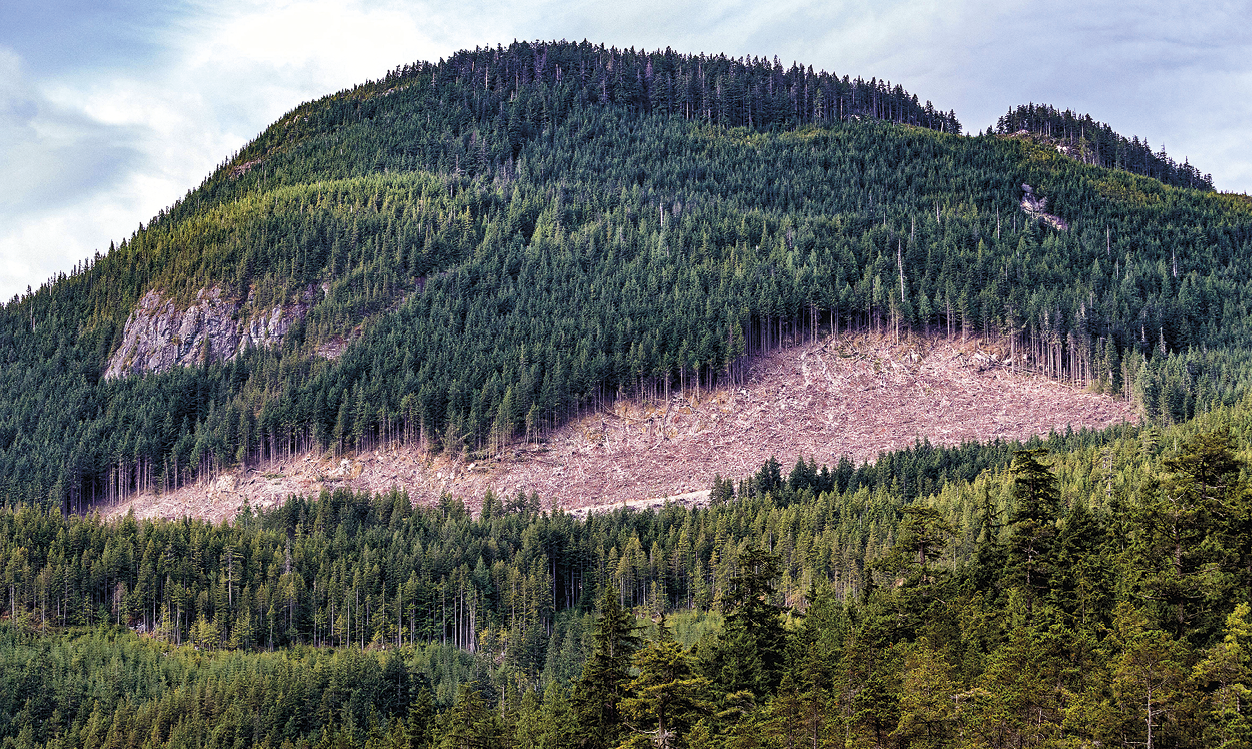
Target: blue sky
<point x="110" y="110"/>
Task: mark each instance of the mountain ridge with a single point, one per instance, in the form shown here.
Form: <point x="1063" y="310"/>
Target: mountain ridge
<point x="545" y="277"/>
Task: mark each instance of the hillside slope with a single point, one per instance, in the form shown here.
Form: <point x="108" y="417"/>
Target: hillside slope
<point x="848" y="399"/>
<point x="482" y="249"/>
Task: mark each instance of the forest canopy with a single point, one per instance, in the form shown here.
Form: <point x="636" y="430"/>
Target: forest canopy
<point x="1090" y="587"/>
<point x="499" y="241"/>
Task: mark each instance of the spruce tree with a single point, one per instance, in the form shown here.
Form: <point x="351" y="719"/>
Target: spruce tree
<point x="1030" y="553"/>
<point x="750" y="653"/>
<point x="1183" y="521"/>
<point x="598" y="692"/>
<point x="666" y="698"/>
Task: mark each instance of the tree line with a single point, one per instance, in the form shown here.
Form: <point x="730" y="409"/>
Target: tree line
<point x="1096" y="143"/>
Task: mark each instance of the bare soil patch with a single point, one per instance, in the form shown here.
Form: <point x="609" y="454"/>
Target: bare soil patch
<point x="854" y="396"/>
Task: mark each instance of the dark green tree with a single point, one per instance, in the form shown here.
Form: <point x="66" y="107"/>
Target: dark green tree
<point x="470" y="723"/>
<point x="605" y="679"/>
<point x="666" y="697"/>
<point x="749" y="654"/>
<point x="1033" y="528"/>
<point x="421" y="721"/>
<point x="769" y="478"/>
<point x="1183" y="521"/>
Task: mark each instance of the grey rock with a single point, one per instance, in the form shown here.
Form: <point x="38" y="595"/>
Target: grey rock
<point x="1037" y="207"/>
<point x="158" y="336"/>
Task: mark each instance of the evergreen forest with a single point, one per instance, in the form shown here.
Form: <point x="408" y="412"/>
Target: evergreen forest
<point x="500" y="241"/>
<point x="1096" y="143"/>
<point x="1087" y="589"/>
<point x="510" y="237"/>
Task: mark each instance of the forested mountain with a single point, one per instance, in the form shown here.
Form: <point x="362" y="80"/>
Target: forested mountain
<point x="478" y="249"/>
<point x="512" y="235"/>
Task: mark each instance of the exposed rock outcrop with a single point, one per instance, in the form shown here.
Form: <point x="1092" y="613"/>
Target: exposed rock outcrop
<point x="159" y="336"/>
<point x="1037" y="207"/>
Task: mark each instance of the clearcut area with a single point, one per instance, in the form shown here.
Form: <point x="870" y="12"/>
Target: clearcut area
<point x="855" y="396"/>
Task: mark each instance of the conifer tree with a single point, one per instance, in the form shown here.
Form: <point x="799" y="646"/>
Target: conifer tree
<point x="605" y="679"/>
<point x="666" y="698"/>
<point x="1182" y="520"/>
<point x="1033" y="529"/>
<point x="749" y="655"/>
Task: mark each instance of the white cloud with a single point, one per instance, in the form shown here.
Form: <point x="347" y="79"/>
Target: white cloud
<point x="59" y="174"/>
<point x="87" y="157"/>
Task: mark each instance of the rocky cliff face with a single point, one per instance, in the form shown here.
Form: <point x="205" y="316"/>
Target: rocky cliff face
<point x="159" y="336"/>
<point x="1037" y="207"/>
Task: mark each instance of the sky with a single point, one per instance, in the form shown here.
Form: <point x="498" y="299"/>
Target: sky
<point x="110" y="110"/>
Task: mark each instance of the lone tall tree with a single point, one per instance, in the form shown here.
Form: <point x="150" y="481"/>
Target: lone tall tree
<point x="1034" y="524"/>
<point x="598" y="692"/>
<point x="750" y="654"/>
